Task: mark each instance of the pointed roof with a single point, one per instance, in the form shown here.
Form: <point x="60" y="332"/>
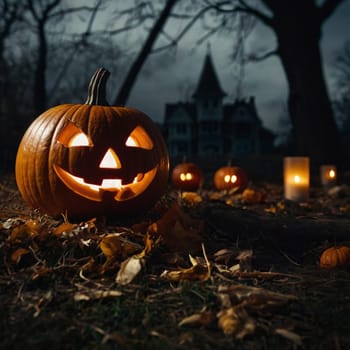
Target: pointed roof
<point x="208" y="84"/>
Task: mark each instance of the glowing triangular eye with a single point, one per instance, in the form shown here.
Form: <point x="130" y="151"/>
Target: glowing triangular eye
<point x="110" y="160"/>
<point x="131" y="142"/>
<point x="72" y="136"/>
<point x="79" y="140"/>
<point x="139" y="138"/>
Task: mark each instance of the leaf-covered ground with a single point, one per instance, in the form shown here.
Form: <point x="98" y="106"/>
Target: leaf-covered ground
<point x="179" y="277"/>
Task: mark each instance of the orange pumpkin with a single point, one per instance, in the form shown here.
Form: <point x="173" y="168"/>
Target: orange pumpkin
<point x="334" y="257"/>
<point x="92" y="159"/>
<point x="229" y="177"/>
<point x="187" y="176"/>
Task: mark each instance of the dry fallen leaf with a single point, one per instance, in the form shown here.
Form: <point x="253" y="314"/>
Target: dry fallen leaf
<point x="254" y="298"/>
<point x="203" y="319"/>
<point x="27" y="230"/>
<point x="18" y="253"/>
<point x="64" y="229"/>
<point x="197" y="272"/>
<point x="40" y="271"/>
<point x="178" y="230"/>
<point x="245" y="258"/>
<point x="129" y="269"/>
<point x="67" y="229"/>
<point x="111" y="245"/>
<point x="295" y="338"/>
<point x="225" y="255"/>
<point x="239" y="300"/>
<point x="253" y="196"/>
<point x="236" y="322"/>
<point x="191" y="198"/>
<point x="94" y="294"/>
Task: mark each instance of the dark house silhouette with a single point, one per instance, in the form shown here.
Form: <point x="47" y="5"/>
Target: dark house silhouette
<point x="207" y="126"/>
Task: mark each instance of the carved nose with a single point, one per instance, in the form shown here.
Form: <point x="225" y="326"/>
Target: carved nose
<point x="110" y="160"/>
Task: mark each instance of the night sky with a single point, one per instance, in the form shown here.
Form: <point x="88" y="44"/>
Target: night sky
<point x="172" y="76"/>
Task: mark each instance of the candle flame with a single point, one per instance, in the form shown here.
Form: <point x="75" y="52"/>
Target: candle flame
<point x="296" y="179"/>
<point x="332" y="174"/>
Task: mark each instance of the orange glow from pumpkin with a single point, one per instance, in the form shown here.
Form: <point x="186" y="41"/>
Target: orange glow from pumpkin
<point x="73" y="136"/>
<point x="131" y="142"/>
<point x="139" y="138"/>
<point x="110" y="160"/>
<point x="79" y="139"/>
<point x="95" y="192"/>
<point x="185" y="177"/>
<point x="230" y="178"/>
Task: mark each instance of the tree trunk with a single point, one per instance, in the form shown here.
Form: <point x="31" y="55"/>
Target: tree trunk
<point x="40" y="73"/>
<point x="131" y="77"/>
<point x="315" y="130"/>
<point x="275" y="234"/>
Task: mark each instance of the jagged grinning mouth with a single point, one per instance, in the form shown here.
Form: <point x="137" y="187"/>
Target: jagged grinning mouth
<point x="96" y="192"/>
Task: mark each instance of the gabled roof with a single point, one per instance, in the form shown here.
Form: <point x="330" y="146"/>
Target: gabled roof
<point x="208" y="84"/>
<point x="171" y="108"/>
<point x="232" y="111"/>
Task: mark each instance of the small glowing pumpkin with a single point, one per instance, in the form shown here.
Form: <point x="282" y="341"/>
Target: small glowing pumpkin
<point x="335" y="257"/>
<point x="187" y="176"/>
<point x="229" y="177"/>
<point x="92" y="159"/>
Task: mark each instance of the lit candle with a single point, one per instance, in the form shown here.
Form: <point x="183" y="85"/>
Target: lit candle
<point x="328" y="174"/>
<point x="296" y="178"/>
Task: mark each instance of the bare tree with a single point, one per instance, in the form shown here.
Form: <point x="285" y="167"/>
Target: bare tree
<point x="136" y="66"/>
<point x="41" y="14"/>
<point x="297" y="26"/>
<point x="194" y="11"/>
<point x="341" y="100"/>
<point x="10" y="13"/>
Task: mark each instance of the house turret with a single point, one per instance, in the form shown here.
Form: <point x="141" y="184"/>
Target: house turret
<point x="208" y="98"/>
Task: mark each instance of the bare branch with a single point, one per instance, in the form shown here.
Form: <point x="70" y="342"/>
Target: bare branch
<point x="121" y="30"/>
<point x="71" y="10"/>
<point x="185" y="29"/>
<point x="133" y="9"/>
<point x="50" y="7"/>
<point x="125" y="89"/>
<point x="254" y="57"/>
<point x="244" y="8"/>
<point x="207" y="35"/>
<point x="9" y="13"/>
<point x="77" y="46"/>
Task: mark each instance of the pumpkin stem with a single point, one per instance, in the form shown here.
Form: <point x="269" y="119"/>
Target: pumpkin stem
<point x="97" y="88"/>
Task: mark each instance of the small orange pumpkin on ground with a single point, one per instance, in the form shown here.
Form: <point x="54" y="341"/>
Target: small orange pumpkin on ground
<point x="228" y="177"/>
<point x="187" y="176"/>
<point x="335" y="257"/>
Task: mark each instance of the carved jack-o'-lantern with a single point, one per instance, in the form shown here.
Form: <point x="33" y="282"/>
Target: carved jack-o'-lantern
<point x="229" y="177"/>
<point x="187" y="176"/>
<point x="92" y="158"/>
